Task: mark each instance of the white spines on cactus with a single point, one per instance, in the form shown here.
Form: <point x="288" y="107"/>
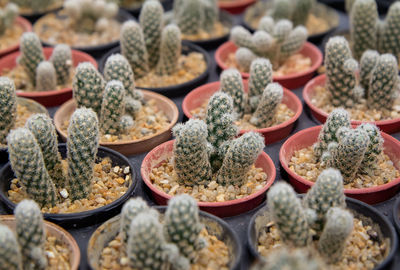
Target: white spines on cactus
<point x="191" y="16"/>
<point x="293" y="43"/>
<point x="10" y="254"/>
<point x="245" y="57"/>
<point x="389" y="39"/>
<point x="367" y="64"/>
<point x="62" y="62"/>
<point x="170" y="50"/>
<point x="8" y="104"/>
<point x="232" y="84"/>
<point x="131" y="209"/>
<point x="260" y="77"/>
<point x="46" y="77"/>
<point x="8" y="14"/>
<point x="375" y="148"/>
<point x="31" y="54"/>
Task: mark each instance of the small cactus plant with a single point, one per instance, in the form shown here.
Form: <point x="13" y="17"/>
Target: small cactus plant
<point x="10" y="255"/>
<point x="46" y="78"/>
<point x="266" y="109"/>
<point x="232" y="84"/>
<point x="170" y="50"/>
<point x="62" y="62"/>
<point x="296" y="11"/>
<point x="8" y="103"/>
<point x="8" y="14"/>
<point x="260" y="77"/>
<point x="31" y="54"/>
<point x="274" y="41"/>
<point x="389" y="41"/>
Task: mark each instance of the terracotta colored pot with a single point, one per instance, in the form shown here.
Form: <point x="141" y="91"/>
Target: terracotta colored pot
<point x="26" y="25"/>
<point x="371" y="195"/>
<point x="388" y="126"/>
<point x="221" y="209"/>
<point x="235" y="6"/>
<point x="271" y="134"/>
<point x="360" y="210"/>
<point x="59" y="233"/>
<point x="214" y="225"/>
<point x="291" y="81"/>
<point x="130" y="147"/>
<point x="47" y="98"/>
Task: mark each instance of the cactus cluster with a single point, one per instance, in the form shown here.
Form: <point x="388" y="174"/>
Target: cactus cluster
<point x="90" y="15"/>
<point x="379" y="82"/>
<point x="321" y="211"/>
<point x="148" y="44"/>
<point x="152" y="245"/>
<point x="36" y="161"/>
<point x="35" y="6"/>
<point x="8" y="14"/>
<point x="24" y="249"/>
<point x="114" y="97"/>
<point x="368" y="32"/>
<point x="275" y="41"/>
<point x="44" y="75"/>
<point x="349" y="150"/>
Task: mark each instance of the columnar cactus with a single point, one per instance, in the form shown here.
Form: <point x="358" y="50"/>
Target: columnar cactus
<point x="231" y="83"/>
<point x="282" y="9"/>
<point x="82" y="144"/>
<point x="170" y="50"/>
<point x="327" y="192"/>
<point x="337" y="118"/>
<point x="131" y="209"/>
<point x="31" y="54"/>
<point x="239" y="157"/>
<point x="338" y="226"/>
<point x="341" y="71"/>
<point x="364" y="26"/>
<point x="389" y="40"/>
<point x="62" y="62"/>
<point x="151" y="22"/>
<point x="367" y="64"/>
<point x="384" y="83"/>
<point x="133" y="47"/>
<point x="266" y="109"/>
<point x="35" y="5"/>
<point x="182" y="226"/>
<point x="191" y="147"/>
<point x="375" y="148"/>
<point x="45" y="134"/>
<point x="28" y="164"/>
<point x="88" y="86"/>
<point x="31" y="235"/>
<point x="10" y="255"/>
<point x="260" y="77"/>
<point x="8" y="103"/>
<point x="296" y="11"/>
<point x="288" y="214"/>
<point x="8" y="14"/>
<point x="46" y="78"/>
<point x="302" y="11"/>
<point x="244" y="57"/>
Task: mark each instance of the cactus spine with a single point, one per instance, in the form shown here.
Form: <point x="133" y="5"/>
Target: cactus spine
<point x="260" y="77"/>
<point x="45" y="134"/>
<point x="8" y="103"/>
<point x="231" y="83"/>
<point x="62" y="62"/>
<point x="10" y="255"/>
<point x="31" y="234"/>
<point x="46" y="78"/>
<point x="28" y="164"/>
<point x="8" y="14"/>
<point x="31" y="54"/>
<point x="82" y="144"/>
<point x="170" y="50"/>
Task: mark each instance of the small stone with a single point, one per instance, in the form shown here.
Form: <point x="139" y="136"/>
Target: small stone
<point x="101" y="200"/>
<point x="50" y="254"/>
<point x="126" y="170"/>
<point x="64" y="193"/>
<point x="116" y="169"/>
<point x="373" y="234"/>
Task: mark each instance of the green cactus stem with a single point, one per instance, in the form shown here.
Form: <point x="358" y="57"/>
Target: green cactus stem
<point x="301" y="12"/>
<point x="375" y="148"/>
<point x="232" y="84"/>
<point x="191" y="17"/>
<point x="260" y="77"/>
<point x="389" y="40"/>
<point x="62" y="62"/>
<point x="46" y="77"/>
<point x="130" y="210"/>
<point x="170" y="50"/>
<point x="8" y="14"/>
<point x="244" y="57"/>
<point x="282" y="9"/>
<point x="31" y="54"/>
<point x="10" y="255"/>
<point x="367" y="64"/>
<point x="8" y="103"/>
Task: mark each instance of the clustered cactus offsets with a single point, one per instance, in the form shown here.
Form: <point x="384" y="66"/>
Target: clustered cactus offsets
<point x="150" y="244"/>
<point x="297" y="11"/>
<point x="8" y="14"/>
<point x="44" y="75"/>
<point x="36" y="161"/>
<point x="379" y="82"/>
<point x="349" y="150"/>
<point x="368" y="32"/>
<point x="149" y="45"/>
<point x="114" y="98"/>
<point x="24" y="249"/>
<point x="274" y="40"/>
<point x="320" y="215"/>
<point x="90" y="15"/>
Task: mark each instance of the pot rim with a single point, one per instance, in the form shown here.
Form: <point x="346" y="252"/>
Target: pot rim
<point x="27" y="27"/>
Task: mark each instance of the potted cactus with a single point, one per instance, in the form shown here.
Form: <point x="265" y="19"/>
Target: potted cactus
<point x="90" y="181"/>
<point x="293" y="60"/>
<point x="183" y="236"/>
<point x="159" y="59"/>
<point x="364" y="155"/>
<point x="42" y="74"/>
<point x="29" y="242"/>
<point x="367" y="90"/>
<point x="14" y="113"/>
<point x="323" y="223"/>
<point x="230" y="175"/>
<point x="131" y="120"/>
<point x="258" y="105"/>
<point x="88" y="25"/>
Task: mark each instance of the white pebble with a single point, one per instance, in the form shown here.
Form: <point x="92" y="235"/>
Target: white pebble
<point x="64" y="193"/>
<point x="126" y="170"/>
<point x="50" y="254"/>
<point x="116" y="169"/>
<point x="100" y="200"/>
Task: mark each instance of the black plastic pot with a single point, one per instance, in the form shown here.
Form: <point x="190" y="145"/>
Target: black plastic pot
<point x="82" y="218"/>
<point x="331" y="15"/>
<point x="383" y="5"/>
<point x="360" y="210"/>
<point x="215" y="226"/>
<point x="173" y="90"/>
<point x="135" y="11"/>
<point x="396" y="214"/>
<point x="98" y="50"/>
<point x="33" y="17"/>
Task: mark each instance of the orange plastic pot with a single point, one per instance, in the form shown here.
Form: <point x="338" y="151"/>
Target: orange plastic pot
<point x="271" y="134"/>
<point x="371" y="195"/>
<point x="235" y="6"/>
<point x="52" y="97"/>
<point x="388" y="126"/>
<point x="222" y="209"/>
<point x="291" y="81"/>
<point x="26" y="25"/>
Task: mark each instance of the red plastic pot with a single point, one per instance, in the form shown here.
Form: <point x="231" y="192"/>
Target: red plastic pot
<point x="235" y="6"/>
<point x="291" y="81"/>
<point x="221" y="209"/>
<point x="47" y="98"/>
<point x="271" y="134"/>
<point x="372" y="195"/>
<point x="26" y="25"/>
<point x="388" y="126"/>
